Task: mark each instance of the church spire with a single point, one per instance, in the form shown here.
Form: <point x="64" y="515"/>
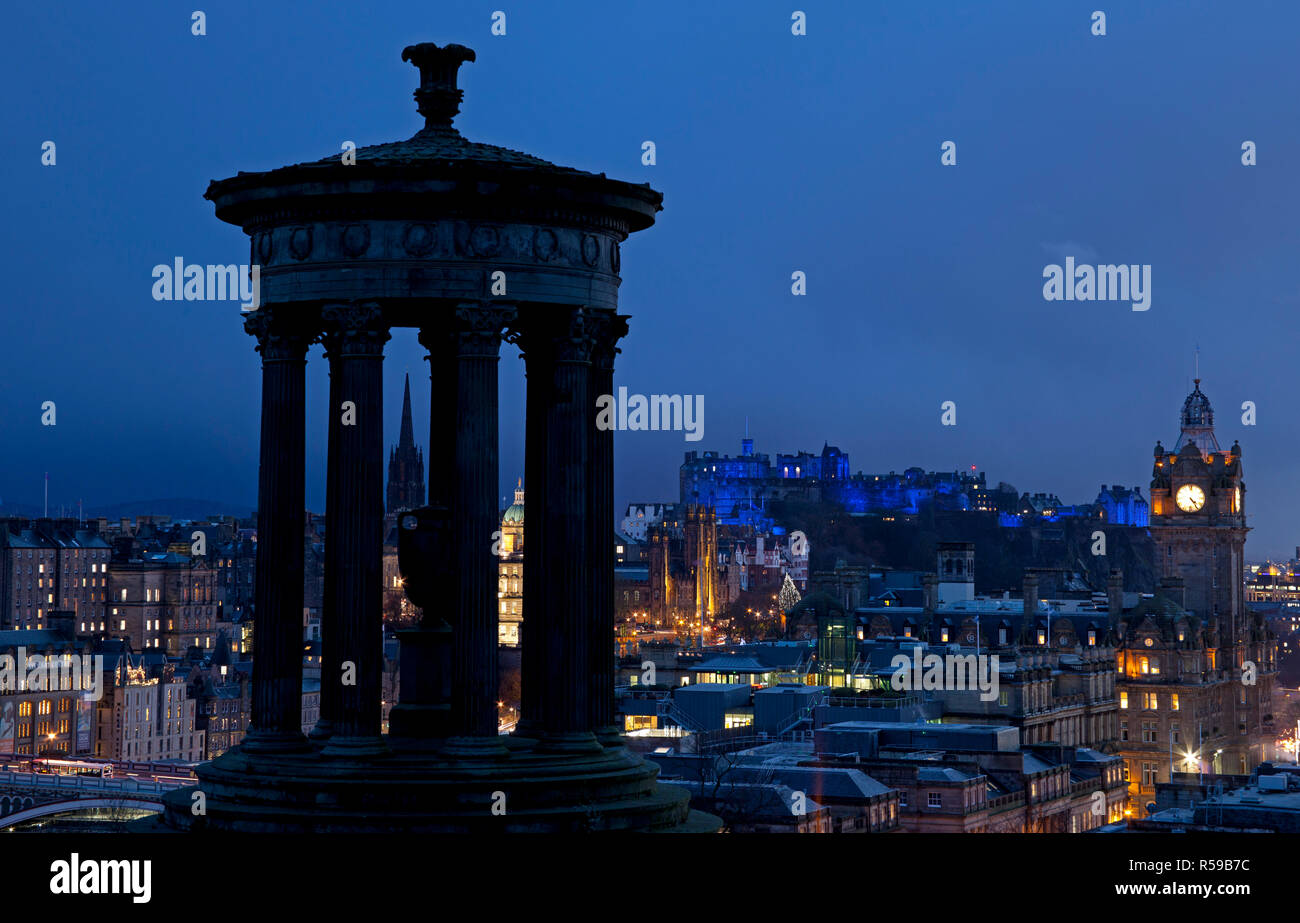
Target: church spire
<point x="405" y="463"/>
<point x="406" y="439"/>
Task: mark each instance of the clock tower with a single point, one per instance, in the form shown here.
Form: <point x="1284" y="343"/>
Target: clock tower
<point x="1198" y="522"/>
<point x="1196" y="667"/>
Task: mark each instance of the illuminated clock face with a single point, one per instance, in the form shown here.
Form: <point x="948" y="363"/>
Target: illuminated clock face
<point x="1190" y="498"/>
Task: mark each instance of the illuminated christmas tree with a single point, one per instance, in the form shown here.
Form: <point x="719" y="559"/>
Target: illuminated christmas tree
<point x="789" y="595"/>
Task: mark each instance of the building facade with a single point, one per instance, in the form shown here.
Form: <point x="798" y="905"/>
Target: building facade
<point x="686" y="585"/>
<point x="164" y="601"/>
<point x="50" y="564"/>
<point x="1196" y="667"/>
<point x="146" y="717"/>
<point x="510" y="570"/>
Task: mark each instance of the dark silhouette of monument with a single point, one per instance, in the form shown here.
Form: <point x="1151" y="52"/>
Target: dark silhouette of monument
<point x="472" y="245"/>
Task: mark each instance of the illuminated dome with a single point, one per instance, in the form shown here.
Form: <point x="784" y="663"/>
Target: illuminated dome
<point x="515" y="512"/>
<point x="1197" y="423"/>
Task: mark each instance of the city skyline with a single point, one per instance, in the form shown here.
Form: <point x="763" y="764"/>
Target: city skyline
<point x="573" y="420"/>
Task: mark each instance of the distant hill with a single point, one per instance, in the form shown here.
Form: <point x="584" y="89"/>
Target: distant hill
<point x="175" y="507"/>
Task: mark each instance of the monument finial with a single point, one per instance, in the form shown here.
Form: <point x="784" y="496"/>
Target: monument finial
<point x="438" y="99"/>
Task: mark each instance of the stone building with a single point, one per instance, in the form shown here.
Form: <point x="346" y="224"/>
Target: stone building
<point x="741" y="488"/>
<point x="686" y="586"/>
<point x="164" y="601"/>
<point x="960" y="778"/>
<point x="236" y="569"/>
<point x="222" y="698"/>
<point x="146" y="714"/>
<point x="1196" y="667"/>
<point x="1123" y="506"/>
<point x="1056" y="660"/>
<point x="49" y="564"/>
<point x="510" y="568"/>
<point x="53" y="716"/>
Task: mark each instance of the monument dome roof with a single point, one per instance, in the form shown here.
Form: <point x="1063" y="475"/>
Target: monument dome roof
<point x="439" y="161"/>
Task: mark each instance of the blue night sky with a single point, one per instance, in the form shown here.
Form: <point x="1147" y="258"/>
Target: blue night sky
<point x="775" y="153"/>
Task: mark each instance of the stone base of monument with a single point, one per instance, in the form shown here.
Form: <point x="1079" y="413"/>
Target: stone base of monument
<point x="516" y="788"/>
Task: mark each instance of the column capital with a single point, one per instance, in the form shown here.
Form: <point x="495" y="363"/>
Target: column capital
<point x="576" y="340"/>
<point x="607" y="328"/>
<point x="565" y="335"/>
<point x="354" y="329"/>
<point x="479" y="328"/>
<point x="279" y="339"/>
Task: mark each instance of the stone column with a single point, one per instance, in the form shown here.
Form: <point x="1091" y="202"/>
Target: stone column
<point x="533" y="339"/>
<point x="424" y="710"/>
<point x="558" y="587"/>
<point x="276" y="724"/>
<point x="475" y="519"/>
<point x="330" y="628"/>
<point x="607" y="329"/>
<point x="441" y="342"/>
<point x="354" y="338"/>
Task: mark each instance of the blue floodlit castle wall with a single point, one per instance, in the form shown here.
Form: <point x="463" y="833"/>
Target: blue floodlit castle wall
<point x="1124" y="506"/>
<point x="741" y="487"/>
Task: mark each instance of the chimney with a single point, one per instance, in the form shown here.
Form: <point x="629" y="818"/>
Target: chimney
<point x="930" y="593"/>
<point x="1115" y="594"/>
<point x="1031" y="596"/>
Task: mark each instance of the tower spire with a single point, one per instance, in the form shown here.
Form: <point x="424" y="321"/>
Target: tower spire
<point x="405" y="463"/>
<point x="406" y="439"/>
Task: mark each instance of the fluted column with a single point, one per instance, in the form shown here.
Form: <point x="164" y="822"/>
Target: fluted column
<point x="354" y="339"/>
<point x="607" y="329"/>
<point x="534" y="340"/>
<point x="276" y="723"/>
<point x="329" y="618"/>
<point x="479" y="329"/>
<point x="558" y="587"/>
<point x="441" y="340"/>
<point x="424" y="710"/>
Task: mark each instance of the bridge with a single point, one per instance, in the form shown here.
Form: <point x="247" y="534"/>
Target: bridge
<point x="26" y="796"/>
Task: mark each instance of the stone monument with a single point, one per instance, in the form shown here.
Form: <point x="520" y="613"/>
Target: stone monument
<point x="472" y="245"/>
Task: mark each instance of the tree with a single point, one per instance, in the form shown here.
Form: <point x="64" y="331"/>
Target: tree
<point x="789" y="596"/>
